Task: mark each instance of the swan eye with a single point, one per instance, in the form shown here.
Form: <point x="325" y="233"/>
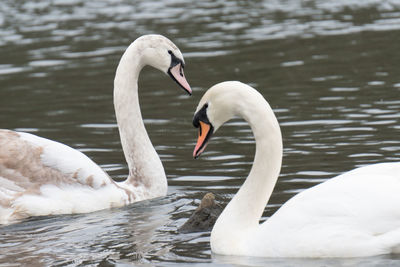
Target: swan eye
<point x="201" y="115"/>
<point x="170" y="52"/>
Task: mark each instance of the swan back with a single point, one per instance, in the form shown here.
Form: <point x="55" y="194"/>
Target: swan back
<point x="42" y="177"/>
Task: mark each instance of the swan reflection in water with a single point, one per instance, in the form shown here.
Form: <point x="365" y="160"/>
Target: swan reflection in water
<point x="134" y="233"/>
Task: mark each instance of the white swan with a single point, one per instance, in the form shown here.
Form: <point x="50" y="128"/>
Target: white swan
<point x="43" y="177"/>
<point x="354" y="214"/>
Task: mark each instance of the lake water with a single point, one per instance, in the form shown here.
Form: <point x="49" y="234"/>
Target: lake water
<point x="329" y="69"/>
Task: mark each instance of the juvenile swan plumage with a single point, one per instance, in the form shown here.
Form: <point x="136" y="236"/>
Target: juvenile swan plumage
<point x="352" y="215"/>
<point x="43" y="177"/>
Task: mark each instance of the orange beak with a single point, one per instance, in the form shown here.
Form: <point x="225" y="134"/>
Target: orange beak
<point x="205" y="132"/>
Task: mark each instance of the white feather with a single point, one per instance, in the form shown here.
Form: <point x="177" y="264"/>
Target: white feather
<point x="352" y="215"/>
<point x="69" y="199"/>
<point x="67" y="160"/>
<point x="43" y="177"/>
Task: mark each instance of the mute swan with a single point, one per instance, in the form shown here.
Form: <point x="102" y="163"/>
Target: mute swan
<point x="354" y="214"/>
<point x="43" y="177"/>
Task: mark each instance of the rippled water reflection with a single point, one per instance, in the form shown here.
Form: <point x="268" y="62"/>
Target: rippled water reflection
<point x="330" y="70"/>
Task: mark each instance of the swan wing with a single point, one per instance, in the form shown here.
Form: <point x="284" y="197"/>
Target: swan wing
<point x="35" y="171"/>
<point x="354" y="214"/>
<point x="36" y="160"/>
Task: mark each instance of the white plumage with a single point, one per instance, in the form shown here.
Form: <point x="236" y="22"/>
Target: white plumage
<point x="43" y="177"/>
<point x="352" y="215"/>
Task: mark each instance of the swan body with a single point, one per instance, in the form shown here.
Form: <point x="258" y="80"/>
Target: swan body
<point x="352" y="215"/>
<point x="43" y="177"/>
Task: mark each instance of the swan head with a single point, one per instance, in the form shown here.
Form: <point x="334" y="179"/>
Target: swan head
<point x="162" y="54"/>
<point x="219" y="104"/>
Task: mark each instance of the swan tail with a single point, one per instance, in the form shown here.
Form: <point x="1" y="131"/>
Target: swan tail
<point x="390" y="242"/>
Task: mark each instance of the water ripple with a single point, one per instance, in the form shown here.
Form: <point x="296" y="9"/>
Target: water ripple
<point x="329" y="70"/>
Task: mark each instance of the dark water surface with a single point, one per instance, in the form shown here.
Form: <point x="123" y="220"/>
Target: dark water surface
<point x="330" y="70"/>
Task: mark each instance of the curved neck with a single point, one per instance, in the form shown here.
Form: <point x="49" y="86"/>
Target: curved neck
<point x="145" y="167"/>
<point x="244" y="211"/>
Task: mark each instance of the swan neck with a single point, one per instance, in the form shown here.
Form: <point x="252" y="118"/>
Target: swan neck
<point x="145" y="167"/>
<point x="253" y="196"/>
<point x="244" y="211"/>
